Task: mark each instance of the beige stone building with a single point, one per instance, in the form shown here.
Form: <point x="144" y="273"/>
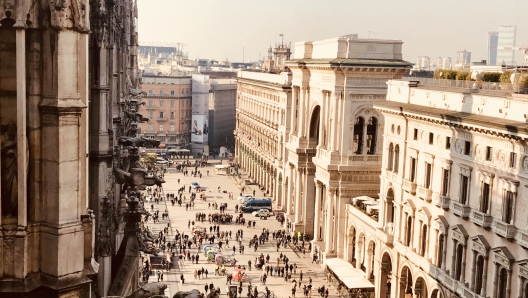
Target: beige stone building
<point x="262" y="113"/>
<point x="310" y="136"/>
<point x="168" y="106"/>
<point x="453" y="195"/>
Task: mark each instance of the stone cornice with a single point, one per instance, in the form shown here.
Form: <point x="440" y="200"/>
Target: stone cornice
<point x="465" y="123"/>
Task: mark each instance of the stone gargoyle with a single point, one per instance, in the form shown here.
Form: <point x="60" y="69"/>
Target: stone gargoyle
<point x="136" y="177"/>
<point x="138" y="141"/>
<point x="148" y="290"/>
<point x="188" y="294"/>
<point x="137" y="92"/>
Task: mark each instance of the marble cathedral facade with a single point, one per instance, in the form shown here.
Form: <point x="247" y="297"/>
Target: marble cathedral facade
<point x="66" y="68"/>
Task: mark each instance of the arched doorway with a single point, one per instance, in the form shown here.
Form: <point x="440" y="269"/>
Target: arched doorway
<point x="370" y="264"/>
<point x="503" y="282"/>
<point x="286" y="196"/>
<point x="406" y="283"/>
<point x="352" y="245"/>
<point x="420" y="288"/>
<point x="386" y="276"/>
<point x="313" y="139"/>
<point x="279" y="192"/>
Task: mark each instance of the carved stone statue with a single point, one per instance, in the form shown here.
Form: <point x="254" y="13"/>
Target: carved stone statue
<point x="138" y="141"/>
<point x="149" y="290"/>
<point x="9" y="170"/>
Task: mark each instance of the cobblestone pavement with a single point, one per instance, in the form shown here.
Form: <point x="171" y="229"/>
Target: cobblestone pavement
<point x="179" y="218"/>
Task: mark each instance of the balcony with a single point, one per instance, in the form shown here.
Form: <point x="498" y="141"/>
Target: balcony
<point x="161" y="119"/>
<point x="522" y="238"/>
<point x="150" y="107"/>
<point x="460" y="209"/>
<point x="425" y="193"/>
<point x="503" y="229"/>
<point x="480" y="218"/>
<point x="409" y="186"/>
<point x="443" y="202"/>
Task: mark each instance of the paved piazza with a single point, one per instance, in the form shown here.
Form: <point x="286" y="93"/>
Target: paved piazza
<point x="179" y="220"/>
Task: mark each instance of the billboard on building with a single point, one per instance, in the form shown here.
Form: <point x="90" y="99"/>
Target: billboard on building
<point x="199" y="129"/>
<point x="200" y="113"/>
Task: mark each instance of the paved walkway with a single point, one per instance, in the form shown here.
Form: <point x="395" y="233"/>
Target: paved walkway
<point x="179" y="218"/>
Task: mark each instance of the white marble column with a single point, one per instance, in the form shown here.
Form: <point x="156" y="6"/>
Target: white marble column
<point x="298" y="196"/>
<point x="329" y="245"/>
<point x="21" y="125"/>
<point x="335" y="129"/>
<point x="288" y="199"/>
<point x="295" y="94"/>
<point x="317" y="207"/>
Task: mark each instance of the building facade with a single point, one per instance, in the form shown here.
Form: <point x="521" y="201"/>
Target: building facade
<point x="333" y="148"/>
<point x="262" y="121"/>
<point x="222" y="114"/>
<point x="493" y="43"/>
<point x="168" y="108"/>
<point x="311" y="138"/>
<point x="453" y="189"/>
<point x="506" y="43"/>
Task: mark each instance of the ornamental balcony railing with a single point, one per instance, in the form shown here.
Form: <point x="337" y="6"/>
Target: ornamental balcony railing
<point x="444" y="202"/>
<point x="460" y="209"/>
<point x="409" y="186"/>
<point x="503" y="229"/>
<point x="425" y="193"/>
<point x="522" y="238"/>
<point x="480" y="218"/>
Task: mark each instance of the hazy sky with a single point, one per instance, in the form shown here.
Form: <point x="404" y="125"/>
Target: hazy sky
<point x="220" y="29"/>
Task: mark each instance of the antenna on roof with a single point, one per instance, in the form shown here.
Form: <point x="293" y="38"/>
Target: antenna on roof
<point x="282" y="36"/>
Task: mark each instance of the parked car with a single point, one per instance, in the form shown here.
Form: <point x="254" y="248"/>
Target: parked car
<point x="195" y="185"/>
<point x="262" y="213"/>
<point x="244" y="196"/>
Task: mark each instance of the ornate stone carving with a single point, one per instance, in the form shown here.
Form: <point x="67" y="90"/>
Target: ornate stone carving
<point x="459" y="146"/>
<point x="525" y="164"/>
<point x="501" y="158"/>
<point x="69" y="14"/>
<point x="479" y="152"/>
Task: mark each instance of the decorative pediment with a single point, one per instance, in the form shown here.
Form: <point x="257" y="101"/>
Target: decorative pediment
<point x="503" y="256"/>
<point x="423" y="215"/>
<point x="428" y="158"/>
<point x="442" y="224"/>
<point x="408" y="206"/>
<point x="460" y="234"/>
<point x="465" y="170"/>
<point x="446" y="163"/>
<point x="523" y="268"/>
<point x="412" y="152"/>
<point x="486" y="177"/>
<point x="509" y="184"/>
<point x="480" y="244"/>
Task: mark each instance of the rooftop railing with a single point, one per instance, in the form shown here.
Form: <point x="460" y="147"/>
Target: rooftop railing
<point x="493" y="86"/>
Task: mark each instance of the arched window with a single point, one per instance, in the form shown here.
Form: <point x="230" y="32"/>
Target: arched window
<point x="503" y="282"/>
<point x="478" y="274"/>
<point x="458" y="262"/>
<point x="396" y="158"/>
<point x="440" y="251"/>
<point x="372" y="128"/>
<point x="358" y="135"/>
<point x="391" y="157"/>
<point x="424" y="240"/>
<point x="409" y="229"/>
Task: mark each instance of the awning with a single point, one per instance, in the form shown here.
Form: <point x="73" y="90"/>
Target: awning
<point x="351" y="277"/>
<point x="222" y="166"/>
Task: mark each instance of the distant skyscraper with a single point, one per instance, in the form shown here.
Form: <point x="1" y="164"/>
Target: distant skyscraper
<point x="446" y="63"/>
<point x="463" y="57"/>
<point x="506" y="42"/>
<point x="493" y="42"/>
